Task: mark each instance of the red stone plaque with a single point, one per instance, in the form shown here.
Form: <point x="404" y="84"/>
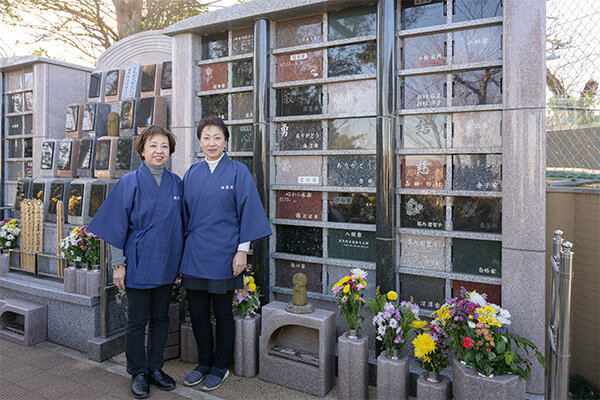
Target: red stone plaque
<point x="214" y="76"/>
<point x="424" y="172"/>
<point x="299" y="205"/>
<point x="300" y="66"/>
<point x="493" y="291"/>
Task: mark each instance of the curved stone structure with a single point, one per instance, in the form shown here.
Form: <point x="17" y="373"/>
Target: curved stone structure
<point x="141" y="48"/>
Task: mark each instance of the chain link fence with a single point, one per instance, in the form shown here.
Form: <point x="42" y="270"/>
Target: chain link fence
<point x="572" y="76"/>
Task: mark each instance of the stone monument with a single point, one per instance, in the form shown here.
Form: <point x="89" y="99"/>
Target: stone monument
<point x="299" y="304"/>
<point x="113" y="124"/>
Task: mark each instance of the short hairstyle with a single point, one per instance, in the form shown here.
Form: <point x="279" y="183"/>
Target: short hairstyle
<point x="148" y="133"/>
<point x="212" y="120"/>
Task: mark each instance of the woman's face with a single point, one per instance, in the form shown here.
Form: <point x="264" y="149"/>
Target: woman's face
<point x="156" y="150"/>
<point x="212" y="142"/>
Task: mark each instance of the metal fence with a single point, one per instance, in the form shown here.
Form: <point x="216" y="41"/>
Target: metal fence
<point x="572" y="76"/>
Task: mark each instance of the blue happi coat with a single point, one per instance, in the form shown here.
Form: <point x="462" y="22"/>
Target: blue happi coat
<point x="220" y="210"/>
<point x="144" y="220"/>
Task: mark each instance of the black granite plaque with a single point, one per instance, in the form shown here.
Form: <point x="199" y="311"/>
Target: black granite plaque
<point x="123" y="159"/>
<point x="21" y="194"/>
<point x="242" y="138"/>
<point x="302" y="240"/>
<point x="477" y="172"/>
<point x="15" y="125"/>
<point x="214" y="46"/>
<point x="467" y="10"/>
<point x="419" y="14"/>
<point x="64" y="155"/>
<point x="15" y="103"/>
<point x="352" y="22"/>
<point x="353" y="59"/>
<point x="477" y="45"/>
<point x="37" y="191"/>
<point x="356" y="208"/>
<point x="352" y="133"/>
<point x="472" y="256"/>
<point x="477" y="87"/>
<point x="148" y="77"/>
<point x="111" y="85"/>
<point x="427" y="293"/>
<point x="75" y="199"/>
<point x="424" y="91"/>
<point x="247" y="161"/>
<point x="351" y="245"/>
<point x="102" y="154"/>
<point x="97" y="195"/>
<point x="145" y="112"/>
<point x="28" y="124"/>
<point x="300" y="31"/>
<point x="27" y="148"/>
<point x="86" y="147"/>
<point x="285" y="271"/>
<point x="423" y="131"/>
<point x="95" y="81"/>
<point x="166" y="80"/>
<point x="72" y="118"/>
<point x="28" y="101"/>
<point x="242" y="41"/>
<point x="422" y="212"/>
<point x="215" y="105"/>
<point x="351" y="171"/>
<point x="477" y="214"/>
<point x="242" y="73"/>
<point x="300" y="135"/>
<point x="127" y="114"/>
<point x="242" y="105"/>
<point x="15" y="148"/>
<point x="47" y="155"/>
<point x="301" y="100"/>
<point x="56" y="194"/>
<point x="89" y="117"/>
<point x="424" y="51"/>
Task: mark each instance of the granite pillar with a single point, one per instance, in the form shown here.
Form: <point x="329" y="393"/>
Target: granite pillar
<point x="353" y="368"/>
<point x="245" y="345"/>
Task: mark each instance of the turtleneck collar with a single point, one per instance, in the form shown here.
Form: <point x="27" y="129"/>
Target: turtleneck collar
<point x="213" y="164"/>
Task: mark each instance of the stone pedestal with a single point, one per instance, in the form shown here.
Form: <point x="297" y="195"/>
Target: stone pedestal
<point x="189" y="349"/>
<point x="392" y="378"/>
<point x="81" y="281"/>
<point x="4" y="264"/>
<point x="93" y="282"/>
<point x="70" y="280"/>
<point x="353" y="368"/>
<point x="467" y="384"/>
<point x="431" y="390"/>
<point x="245" y="345"/>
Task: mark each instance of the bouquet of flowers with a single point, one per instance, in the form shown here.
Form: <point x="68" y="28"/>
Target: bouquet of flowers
<point x="9" y="232"/>
<point x="80" y="245"/>
<point x="349" y="293"/>
<point x="246" y="300"/>
<point x="432" y="347"/>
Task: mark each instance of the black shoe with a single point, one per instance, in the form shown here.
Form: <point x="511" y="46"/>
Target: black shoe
<point x="140" y="387"/>
<point x="161" y="380"/>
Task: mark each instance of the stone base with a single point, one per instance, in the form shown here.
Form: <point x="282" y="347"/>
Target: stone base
<point x="101" y="349"/>
<point x="427" y="390"/>
<point x="392" y="378"/>
<point x="4" y="264"/>
<point x="467" y="384"/>
<point x="93" y="282"/>
<point x="245" y="345"/>
<point x="23" y="322"/>
<point x="353" y="371"/>
<point x="187" y="342"/>
<point x="305" y="309"/>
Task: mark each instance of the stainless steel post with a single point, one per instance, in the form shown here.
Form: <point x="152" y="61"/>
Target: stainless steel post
<point x="554" y="306"/>
<point x="103" y="290"/>
<point x="563" y="350"/>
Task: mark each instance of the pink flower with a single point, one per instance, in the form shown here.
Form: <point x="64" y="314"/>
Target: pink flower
<point x="467" y="343"/>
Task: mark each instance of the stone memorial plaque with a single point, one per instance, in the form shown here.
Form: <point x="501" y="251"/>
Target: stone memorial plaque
<point x="335" y="273"/>
<point x="354" y="97"/>
<point x="302" y="240"/>
<point x="102" y="154"/>
<point x="37" y="191"/>
<point x="285" y="271"/>
<point x="426" y="252"/>
<point x="477" y="129"/>
<point x="64" y="155"/>
<point x="148" y="78"/>
<point x="477" y="172"/>
<point x="214" y="46"/>
<point x="351" y="171"/>
<point x="425" y="131"/>
<point x="300" y="135"/>
<point x="479" y="257"/>
<point x="477" y="214"/>
<point x="89" y="116"/>
<point x="166" y="76"/>
<point x="478" y="45"/>
<point x="477" y="87"/>
<point x="352" y="22"/>
<point x="493" y="292"/>
<point x="21" y="193"/>
<point x="242" y="105"/>
<point x="298" y="170"/>
<point x="300" y="31"/>
<point x="97" y="195"/>
<point x="47" y="155"/>
<point x="419" y="14"/>
<point x="15" y="148"/>
<point x="242" y="138"/>
<point x="356" y="208"/>
<point x="422" y="212"/>
<point x="247" y="161"/>
<point x="27" y="148"/>
<point x="86" y="147"/>
<point x="299" y="205"/>
<point x="213" y="76"/>
<point x="15" y="103"/>
<point x="111" y="84"/>
<point x="468" y="10"/>
<point x="424" y="51"/>
<point x="123" y="158"/>
<point x="14" y="81"/>
<point x="428" y="293"/>
<point x="145" y="112"/>
<point x="95" y="82"/>
<point x="56" y="194"/>
<point x="215" y="105"/>
<point x="15" y="125"/>
<point x="424" y="91"/>
<point x="352" y="245"/>
<point x="302" y="100"/>
<point x="28" y="101"/>
<point x="242" y="73"/>
<point x="242" y="41"/>
<point x="423" y="172"/>
<point x="71" y="120"/>
<point x="352" y="133"/>
<point x="28" y="124"/>
<point x="131" y="82"/>
<point x="352" y="59"/>
<point x="127" y="113"/>
<point x="299" y="66"/>
<point x="75" y="198"/>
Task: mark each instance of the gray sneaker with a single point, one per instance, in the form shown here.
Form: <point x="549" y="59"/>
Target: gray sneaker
<point x="196" y="376"/>
<point x="214" y="379"/>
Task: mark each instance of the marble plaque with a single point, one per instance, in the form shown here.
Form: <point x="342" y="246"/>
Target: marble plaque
<point x="131" y="82"/>
<point x="85" y="153"/>
<point x="351" y="171"/>
<point x="148" y="77"/>
<point x="56" y="194"/>
<point x="352" y="245"/>
<point x="28" y="148"/>
<point x="424" y="51"/>
<point x="215" y="105"/>
<point x="102" y="154"/>
<point x="28" y="101"/>
<point x="166" y="76"/>
<point x="14" y="81"/>
<point x="335" y="273"/>
<point x="477" y="214"/>
<point x="47" y="155"/>
<point x="352" y="133"/>
<point x="352" y="97"/>
<point x="298" y="170"/>
<point x="356" y="208"/>
<point x="37" y="191"/>
<point x="15" y="125"/>
<point x="242" y="73"/>
<point x="301" y="240"/>
<point x="242" y="105"/>
<point x="302" y="100"/>
<point x="477" y="129"/>
<point x="300" y="31"/>
<point x="428" y="293"/>
<point x="423" y="172"/>
<point x="95" y="82"/>
<point x="97" y="195"/>
<point x="419" y="14"/>
<point x="425" y="131"/>
<point x="247" y="161"/>
<point x="64" y="155"/>
<point x="242" y="41"/>
<point x="15" y="103"/>
<point x="299" y="66"/>
<point x="478" y="45"/>
<point x="214" y="76"/>
<point x="477" y="172"/>
<point x="71" y="119"/>
<point x="145" y="112"/>
<point x="299" y="205"/>
<point x="467" y="10"/>
<point x="15" y="148"/>
<point x="300" y="135"/>
<point x="353" y="59"/>
<point x="493" y="292"/>
<point x="28" y="124"/>
<point x="352" y="22"/>
<point x="477" y="87"/>
<point x="214" y="46"/>
<point x="89" y="116"/>
<point x="426" y="252"/>
<point x="479" y="257"/>
<point x="422" y="212"/>
<point x="75" y="198"/>
<point x="28" y="78"/>
<point x="111" y="84"/>
<point x="285" y="271"/>
<point x="126" y="115"/>
<point x="242" y="138"/>
<point x="123" y="158"/>
<point x="424" y="91"/>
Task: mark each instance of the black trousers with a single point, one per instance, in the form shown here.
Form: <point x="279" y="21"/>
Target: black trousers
<point x="200" y="302"/>
<point x="143" y="306"/>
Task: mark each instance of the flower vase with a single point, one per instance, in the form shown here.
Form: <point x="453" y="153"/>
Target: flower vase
<point x="467" y="384"/>
<point x="392" y="377"/>
<point x="433" y="386"/>
<point x="4" y="263"/>
<point x="245" y="345"/>
<point x="188" y="350"/>
<point x="353" y="366"/>
<point x="93" y="281"/>
<point x="82" y="280"/>
<point x="70" y="279"/>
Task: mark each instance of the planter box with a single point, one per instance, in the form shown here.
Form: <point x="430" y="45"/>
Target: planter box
<point x="467" y="384"/>
<point x="245" y="345"/>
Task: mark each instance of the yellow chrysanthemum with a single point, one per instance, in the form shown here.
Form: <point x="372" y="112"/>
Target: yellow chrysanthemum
<point x="418" y="324"/>
<point x="12" y="221"/>
<point x="356" y="297"/>
<point x="442" y="313"/>
<point x="424" y="344"/>
<point x="346" y="288"/>
<point x="246" y="280"/>
<point x="391" y="295"/>
<point x="489" y="309"/>
<point x="338" y="284"/>
<point x="364" y="283"/>
<point x="470" y="316"/>
<point x="251" y="279"/>
<point x="345" y="298"/>
<point x="426" y="359"/>
<point x="252" y="287"/>
<point x="345" y="279"/>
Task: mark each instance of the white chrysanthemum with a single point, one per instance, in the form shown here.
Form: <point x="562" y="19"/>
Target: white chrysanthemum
<point x="393" y="323"/>
<point x="471" y="324"/>
<point x="381" y="330"/>
<point x="361" y="273"/>
<point x="477" y="298"/>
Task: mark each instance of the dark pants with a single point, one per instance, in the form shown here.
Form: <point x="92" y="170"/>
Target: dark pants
<point x="200" y="301"/>
<point x="143" y="306"/>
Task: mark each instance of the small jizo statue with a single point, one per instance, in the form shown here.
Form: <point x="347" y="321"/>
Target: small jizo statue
<point x="299" y="304"/>
<point x="113" y="124"/>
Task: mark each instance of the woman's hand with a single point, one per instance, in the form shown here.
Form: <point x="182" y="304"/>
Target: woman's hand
<point x="240" y="261"/>
<point x="119" y="276"/>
